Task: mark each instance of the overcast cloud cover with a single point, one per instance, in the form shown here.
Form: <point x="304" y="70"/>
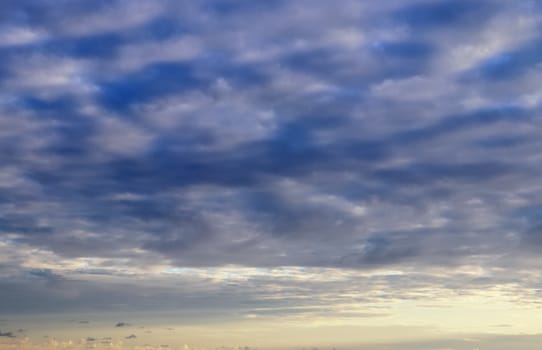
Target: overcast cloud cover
<point x="234" y="157"/>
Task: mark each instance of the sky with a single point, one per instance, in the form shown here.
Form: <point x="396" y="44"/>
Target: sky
<point x="241" y="174"/>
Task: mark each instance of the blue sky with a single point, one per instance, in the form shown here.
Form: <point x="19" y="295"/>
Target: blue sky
<point x="258" y="161"/>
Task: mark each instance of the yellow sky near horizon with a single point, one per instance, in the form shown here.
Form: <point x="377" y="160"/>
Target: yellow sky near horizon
<point x="488" y="313"/>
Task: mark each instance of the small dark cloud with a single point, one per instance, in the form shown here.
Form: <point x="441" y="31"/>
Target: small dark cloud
<point x="7" y="334"/>
<point x="380" y="250"/>
<point x="443" y="13"/>
<point x="121" y="324"/>
<point x="101" y="46"/>
<point x="131" y="336"/>
<point x="403" y="49"/>
<point x="47" y="275"/>
<point x="532" y="238"/>
<point x="228" y="8"/>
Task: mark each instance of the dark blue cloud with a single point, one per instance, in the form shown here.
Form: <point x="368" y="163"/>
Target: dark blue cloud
<point x="60" y="106"/>
<point x="442" y="13"/>
<point x="101" y="46"/>
<point x="511" y="64"/>
<point x="240" y="7"/>
<point x="403" y="49"/>
<point x="22" y="224"/>
<point x="47" y="14"/>
<point x="286" y="219"/>
<point x="161" y="28"/>
<point x="457" y="123"/>
<point x="505" y="142"/>
<point x="429" y="173"/>
<point x="396" y="60"/>
<point x="157" y="80"/>
<point x="69" y="129"/>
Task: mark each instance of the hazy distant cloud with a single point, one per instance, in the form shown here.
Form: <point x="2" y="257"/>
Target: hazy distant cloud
<point x="121" y="324"/>
<point x="131" y="336"/>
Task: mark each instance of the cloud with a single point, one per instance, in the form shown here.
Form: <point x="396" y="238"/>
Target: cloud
<point x="141" y="86"/>
<point x="511" y="64"/>
<point x="7" y="334"/>
<point x="533" y="237"/>
<point x="121" y="324"/>
<point x="46" y="274"/>
<point x="427" y="15"/>
<point x="131" y="336"/>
